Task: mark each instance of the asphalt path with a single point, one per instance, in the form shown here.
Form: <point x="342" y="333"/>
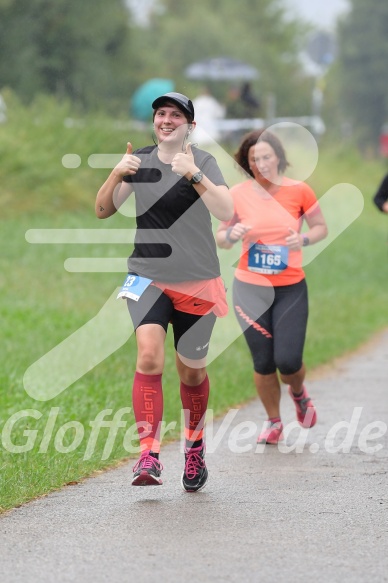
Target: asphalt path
<point x="313" y="509"/>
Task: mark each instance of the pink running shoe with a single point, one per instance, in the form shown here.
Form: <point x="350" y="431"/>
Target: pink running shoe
<point x="147" y="471"/>
<point x="305" y="410"/>
<point x="273" y="434"/>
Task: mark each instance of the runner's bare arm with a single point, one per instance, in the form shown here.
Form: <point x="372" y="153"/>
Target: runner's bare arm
<point x="217" y="198"/>
<point x="317" y="231"/>
<point x="228" y="234"/>
<point x="114" y="191"/>
<point x="317" y="226"/>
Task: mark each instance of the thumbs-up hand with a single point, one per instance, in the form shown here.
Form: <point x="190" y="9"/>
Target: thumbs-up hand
<point x="129" y="164"/>
<point x="188" y="151"/>
<point x="183" y="162"/>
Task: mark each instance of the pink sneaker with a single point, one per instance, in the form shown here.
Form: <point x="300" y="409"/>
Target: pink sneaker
<point x="305" y="410"/>
<point x="147" y="470"/>
<point x="273" y="434"/>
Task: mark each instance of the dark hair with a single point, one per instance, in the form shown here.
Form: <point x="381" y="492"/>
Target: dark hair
<point x="251" y="139"/>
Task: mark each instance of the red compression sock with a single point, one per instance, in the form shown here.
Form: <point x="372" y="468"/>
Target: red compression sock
<point x="194" y="402"/>
<point x="147" y="398"/>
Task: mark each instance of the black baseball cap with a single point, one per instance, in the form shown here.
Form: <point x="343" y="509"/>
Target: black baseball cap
<point x="184" y="103"/>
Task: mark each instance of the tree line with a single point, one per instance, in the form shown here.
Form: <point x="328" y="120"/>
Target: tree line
<point x="96" y="53"/>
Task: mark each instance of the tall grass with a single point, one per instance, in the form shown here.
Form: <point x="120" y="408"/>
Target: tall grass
<point x="42" y="304"/>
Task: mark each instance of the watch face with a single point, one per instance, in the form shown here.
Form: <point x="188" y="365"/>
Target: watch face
<point x="197" y="177"/>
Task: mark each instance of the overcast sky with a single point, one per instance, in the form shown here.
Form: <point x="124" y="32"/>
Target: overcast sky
<point x="319" y="12"/>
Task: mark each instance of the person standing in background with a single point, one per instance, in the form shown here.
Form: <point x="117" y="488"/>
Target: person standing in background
<point x="381" y="197"/>
<point x="207" y="113"/>
<point x="250" y="103"/>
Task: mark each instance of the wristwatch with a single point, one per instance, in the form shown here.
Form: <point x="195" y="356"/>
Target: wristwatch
<point x="197" y="177"/>
<point x="306" y="240"/>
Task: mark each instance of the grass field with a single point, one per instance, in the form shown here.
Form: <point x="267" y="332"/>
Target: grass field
<point x="48" y="443"/>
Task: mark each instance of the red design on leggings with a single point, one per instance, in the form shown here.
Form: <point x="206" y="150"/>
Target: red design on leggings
<point x="252" y="323"/>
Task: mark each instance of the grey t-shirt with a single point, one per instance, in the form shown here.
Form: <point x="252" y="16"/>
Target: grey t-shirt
<point x="174" y="239"/>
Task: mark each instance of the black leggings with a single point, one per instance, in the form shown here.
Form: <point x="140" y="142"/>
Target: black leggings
<point x="274" y="322"/>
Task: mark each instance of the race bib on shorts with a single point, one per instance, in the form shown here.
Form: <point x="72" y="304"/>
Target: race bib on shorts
<point x="267" y="259"/>
<point x="134" y="286"/>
